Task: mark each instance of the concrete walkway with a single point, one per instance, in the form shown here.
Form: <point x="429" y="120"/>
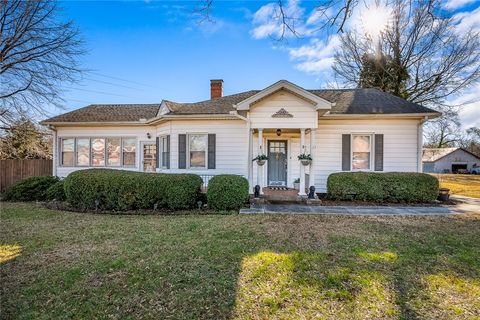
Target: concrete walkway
<point x="467" y="205"/>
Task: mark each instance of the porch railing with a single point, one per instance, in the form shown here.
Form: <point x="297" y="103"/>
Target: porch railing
<point x="206" y="178"/>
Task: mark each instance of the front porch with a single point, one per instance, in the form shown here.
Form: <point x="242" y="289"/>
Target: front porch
<point x="282" y="146"/>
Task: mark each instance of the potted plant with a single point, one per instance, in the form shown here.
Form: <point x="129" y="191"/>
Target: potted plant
<point x="261" y="158"/>
<point x="296" y="184"/>
<point x="305" y="159"/>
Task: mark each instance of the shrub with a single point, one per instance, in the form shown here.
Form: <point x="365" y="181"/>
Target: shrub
<point x="383" y="187"/>
<point x="56" y="191"/>
<point x="30" y="189"/>
<point x="227" y="192"/>
<point x="129" y="190"/>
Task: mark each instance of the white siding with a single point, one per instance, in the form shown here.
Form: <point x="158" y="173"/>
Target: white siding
<point x="231" y="145"/>
<point x="400" y="145"/>
<point x="304" y="114"/>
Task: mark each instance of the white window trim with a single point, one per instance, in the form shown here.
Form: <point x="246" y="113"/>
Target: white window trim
<point x="160" y="152"/>
<point x="74" y="152"/>
<point x="372" y="142"/>
<point x="105" y="152"/>
<point x="188" y="151"/>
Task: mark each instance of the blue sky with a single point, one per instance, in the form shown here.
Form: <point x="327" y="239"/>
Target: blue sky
<point x="146" y="51"/>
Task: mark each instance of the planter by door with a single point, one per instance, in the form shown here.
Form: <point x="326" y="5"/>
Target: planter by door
<point x="261" y="162"/>
<point x="306" y="162"/>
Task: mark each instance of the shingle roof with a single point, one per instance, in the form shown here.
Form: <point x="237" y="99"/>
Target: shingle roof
<point x="347" y="101"/>
<point x="434" y="154"/>
<point x="109" y="113"/>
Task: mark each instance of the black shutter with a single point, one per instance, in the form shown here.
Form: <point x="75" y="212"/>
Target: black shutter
<point x="168" y="153"/>
<point x="157" y="145"/>
<point x="182" y="151"/>
<point x="211" y="151"/>
<point x="346" y="142"/>
<point x="379" y="152"/>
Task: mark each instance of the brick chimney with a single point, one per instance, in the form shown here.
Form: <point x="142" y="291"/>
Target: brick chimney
<point x="216" y="88"/>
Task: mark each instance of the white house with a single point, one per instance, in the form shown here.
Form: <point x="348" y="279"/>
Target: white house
<point x="448" y="160"/>
<point x="343" y="130"/>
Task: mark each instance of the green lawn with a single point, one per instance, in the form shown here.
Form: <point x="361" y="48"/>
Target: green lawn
<point x="72" y="265"/>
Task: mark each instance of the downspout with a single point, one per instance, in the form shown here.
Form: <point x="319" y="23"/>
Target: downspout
<point x="54" y="150"/>
<point x="420" y="144"/>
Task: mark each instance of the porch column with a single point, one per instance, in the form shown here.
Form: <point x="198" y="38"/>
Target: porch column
<point x="260" y="168"/>
<point x="249" y="159"/>
<point x="313" y="152"/>
<point x="301" y="192"/>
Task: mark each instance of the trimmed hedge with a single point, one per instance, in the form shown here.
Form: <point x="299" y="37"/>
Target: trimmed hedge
<point x="56" y="191"/>
<point x="227" y="192"/>
<point x="128" y="190"/>
<point x="30" y="189"/>
<point x="383" y="187"/>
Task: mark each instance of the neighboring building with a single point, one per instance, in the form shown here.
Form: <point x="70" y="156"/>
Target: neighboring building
<point x="344" y="130"/>
<point x="448" y="160"/>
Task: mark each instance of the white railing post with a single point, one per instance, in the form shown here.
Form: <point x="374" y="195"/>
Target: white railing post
<point x="301" y="192"/>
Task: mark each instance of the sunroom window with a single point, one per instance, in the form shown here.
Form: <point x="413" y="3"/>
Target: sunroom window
<point x="98" y="152"/>
<point x="83" y="152"/>
<point x="68" y="151"/>
<point x="113" y="152"/>
<point x="361" y="152"/>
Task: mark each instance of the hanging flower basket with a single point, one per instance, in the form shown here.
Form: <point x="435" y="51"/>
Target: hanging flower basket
<point x="306" y="162"/>
<point x="305" y="159"/>
<point x="260" y="159"/>
<point x="261" y="162"/>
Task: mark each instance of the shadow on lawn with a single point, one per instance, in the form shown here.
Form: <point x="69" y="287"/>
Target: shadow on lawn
<point x="432" y="276"/>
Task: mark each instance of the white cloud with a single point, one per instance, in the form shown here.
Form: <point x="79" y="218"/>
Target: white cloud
<point x="470" y="111"/>
<point x="268" y="23"/>
<point x="467" y="20"/>
<point x="317" y="56"/>
<point x="455" y="4"/>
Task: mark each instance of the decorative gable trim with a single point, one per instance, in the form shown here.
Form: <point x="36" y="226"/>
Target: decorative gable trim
<point x="316" y="101"/>
<point x="282" y="113"/>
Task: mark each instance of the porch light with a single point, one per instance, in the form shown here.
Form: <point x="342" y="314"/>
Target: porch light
<point x="279" y="132"/>
<point x="148" y="135"/>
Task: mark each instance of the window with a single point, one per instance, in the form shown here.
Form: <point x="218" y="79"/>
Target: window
<point x="197" y="144"/>
<point x="165" y="153"/>
<point x="113" y="152"/>
<point x="68" y="151"/>
<point x="361" y="152"/>
<point x="83" y="151"/>
<point x="98" y="152"/>
<point x="129" y="148"/>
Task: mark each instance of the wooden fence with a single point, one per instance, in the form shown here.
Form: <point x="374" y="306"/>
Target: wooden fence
<point x="14" y="170"/>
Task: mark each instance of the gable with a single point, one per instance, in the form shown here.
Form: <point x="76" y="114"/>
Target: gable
<point x="283" y="85"/>
<point x="283" y="109"/>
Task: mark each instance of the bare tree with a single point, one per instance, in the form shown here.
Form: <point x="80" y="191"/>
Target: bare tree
<point x="38" y="53"/>
<point x="429" y="60"/>
<point x="443" y="132"/>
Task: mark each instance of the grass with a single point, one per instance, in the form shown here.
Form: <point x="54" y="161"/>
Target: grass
<point x="85" y="266"/>
<point x="462" y="184"/>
